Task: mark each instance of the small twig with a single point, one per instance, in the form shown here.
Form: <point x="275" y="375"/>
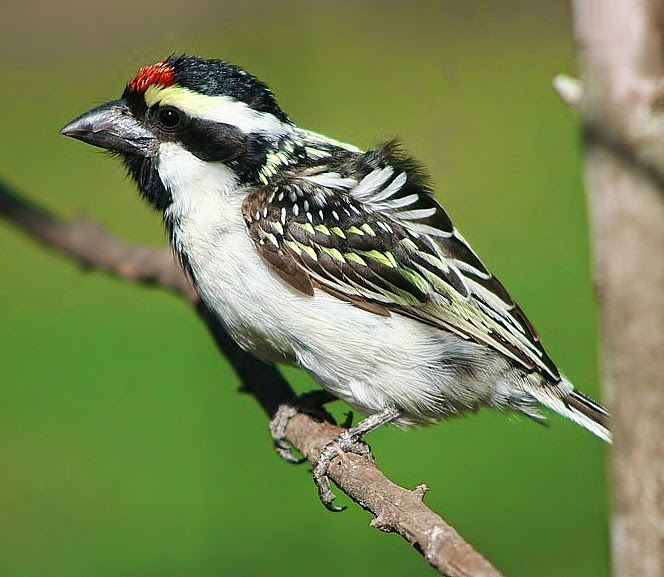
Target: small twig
<point x="396" y="509"/>
<point x="569" y="89"/>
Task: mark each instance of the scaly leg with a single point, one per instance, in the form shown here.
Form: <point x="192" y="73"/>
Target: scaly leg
<point x="348" y="442"/>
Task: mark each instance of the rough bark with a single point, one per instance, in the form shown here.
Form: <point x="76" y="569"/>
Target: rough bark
<point x="620" y="47"/>
<point x="396" y="509"/>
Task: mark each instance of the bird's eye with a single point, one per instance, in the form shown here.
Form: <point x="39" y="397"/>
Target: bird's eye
<point x="170" y="118"/>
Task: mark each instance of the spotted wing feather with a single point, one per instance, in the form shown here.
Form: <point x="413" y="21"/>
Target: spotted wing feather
<point x="370" y="232"/>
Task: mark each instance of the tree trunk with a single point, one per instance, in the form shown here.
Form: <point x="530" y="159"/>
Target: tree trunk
<point x="620" y="48"/>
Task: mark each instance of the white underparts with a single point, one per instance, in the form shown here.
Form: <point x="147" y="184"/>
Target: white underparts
<point x="371" y="361"/>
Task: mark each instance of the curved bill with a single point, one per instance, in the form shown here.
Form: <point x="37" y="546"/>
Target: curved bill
<point x="112" y="126"/>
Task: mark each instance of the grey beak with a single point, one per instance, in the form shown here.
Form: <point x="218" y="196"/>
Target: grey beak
<point x="112" y="126"/>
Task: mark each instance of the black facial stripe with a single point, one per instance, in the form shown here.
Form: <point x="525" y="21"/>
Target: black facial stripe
<point x="206" y="139"/>
<point x="212" y="141"/>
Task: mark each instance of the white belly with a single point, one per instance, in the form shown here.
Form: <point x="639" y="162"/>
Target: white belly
<point x="370" y="361"/>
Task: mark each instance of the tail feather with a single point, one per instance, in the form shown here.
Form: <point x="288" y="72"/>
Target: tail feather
<point x="575" y="406"/>
<point x="577" y="401"/>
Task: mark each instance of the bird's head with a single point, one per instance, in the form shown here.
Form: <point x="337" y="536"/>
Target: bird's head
<point x="186" y="109"/>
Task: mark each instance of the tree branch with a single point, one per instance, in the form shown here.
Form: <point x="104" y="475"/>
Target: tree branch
<point x="396" y="509"/>
<point x="620" y="48"/>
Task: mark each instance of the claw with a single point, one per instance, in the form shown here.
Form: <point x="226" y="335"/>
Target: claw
<point x="278" y="430"/>
<point x="308" y="401"/>
<point x="285" y="451"/>
<point x="348" y="442"/>
<point x="344" y="443"/>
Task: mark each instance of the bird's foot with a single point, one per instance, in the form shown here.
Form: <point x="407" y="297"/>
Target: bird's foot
<point x="348" y="442"/>
<point x="310" y="402"/>
<point x="344" y="443"/>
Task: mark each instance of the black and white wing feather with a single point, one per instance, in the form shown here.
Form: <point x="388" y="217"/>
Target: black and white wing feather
<point x="370" y="232"/>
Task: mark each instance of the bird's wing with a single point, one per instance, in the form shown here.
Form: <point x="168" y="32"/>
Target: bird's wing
<point x="371" y="233"/>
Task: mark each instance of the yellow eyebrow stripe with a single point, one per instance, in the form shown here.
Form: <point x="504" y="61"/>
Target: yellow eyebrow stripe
<point x="217" y="108"/>
<point x="186" y="100"/>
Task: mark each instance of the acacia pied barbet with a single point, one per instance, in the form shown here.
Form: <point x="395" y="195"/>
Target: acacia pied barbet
<point x="313" y="252"/>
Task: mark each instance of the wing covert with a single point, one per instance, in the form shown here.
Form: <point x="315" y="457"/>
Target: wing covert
<point x="372" y="234"/>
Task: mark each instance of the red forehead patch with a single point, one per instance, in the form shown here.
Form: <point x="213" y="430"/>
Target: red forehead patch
<point x="160" y="73"/>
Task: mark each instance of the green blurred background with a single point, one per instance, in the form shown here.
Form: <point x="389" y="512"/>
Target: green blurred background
<point x="125" y="448"/>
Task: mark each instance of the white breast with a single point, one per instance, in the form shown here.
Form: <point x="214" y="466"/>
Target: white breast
<point x="369" y="360"/>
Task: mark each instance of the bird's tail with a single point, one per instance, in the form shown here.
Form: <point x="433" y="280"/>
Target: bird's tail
<point x="575" y="406"/>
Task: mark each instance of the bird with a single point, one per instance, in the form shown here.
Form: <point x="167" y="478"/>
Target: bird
<point x="315" y="253"/>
